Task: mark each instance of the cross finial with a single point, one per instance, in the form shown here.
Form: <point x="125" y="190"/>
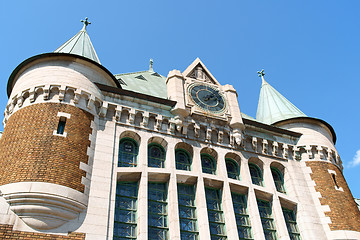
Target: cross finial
<point x="151" y="64"/>
<point x="261" y="73"/>
<point x="85" y="22"/>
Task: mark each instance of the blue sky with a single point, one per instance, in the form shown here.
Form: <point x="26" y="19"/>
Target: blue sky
<point x="309" y="49"/>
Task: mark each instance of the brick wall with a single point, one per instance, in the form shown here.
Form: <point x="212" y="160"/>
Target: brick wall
<point x="7" y="232"/>
<point x="344" y="213"/>
<point x="30" y="152"/>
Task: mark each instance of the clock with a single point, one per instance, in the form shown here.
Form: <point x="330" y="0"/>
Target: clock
<point x="207" y="98"/>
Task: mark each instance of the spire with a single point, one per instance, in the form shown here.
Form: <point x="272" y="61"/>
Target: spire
<point x="80" y="44"/>
<point x="273" y="106"/>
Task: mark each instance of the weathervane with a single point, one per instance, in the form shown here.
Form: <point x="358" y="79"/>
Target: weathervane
<point x="86" y="22"/>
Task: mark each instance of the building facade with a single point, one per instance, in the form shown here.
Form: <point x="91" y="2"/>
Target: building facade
<point x="86" y="154"/>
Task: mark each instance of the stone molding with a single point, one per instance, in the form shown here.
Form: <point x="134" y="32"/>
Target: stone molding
<point x="44" y="205"/>
<point x="217" y="134"/>
<point x="78" y="97"/>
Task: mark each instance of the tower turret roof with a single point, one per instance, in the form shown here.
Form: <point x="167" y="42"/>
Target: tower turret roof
<point x="80" y="44"/>
<point x="273" y="106"/>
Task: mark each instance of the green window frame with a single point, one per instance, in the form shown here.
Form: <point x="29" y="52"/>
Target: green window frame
<point x="125" y="220"/>
<point x="215" y="214"/>
<point x="290" y="219"/>
<point x="232" y="168"/>
<point x="183" y="160"/>
<point x="157" y="211"/>
<point x="256" y="174"/>
<point x="156" y="156"/>
<point x="242" y="216"/>
<point x="187" y="212"/>
<point x="128" y="152"/>
<point x="208" y="164"/>
<point x="278" y="180"/>
<point x="267" y="219"/>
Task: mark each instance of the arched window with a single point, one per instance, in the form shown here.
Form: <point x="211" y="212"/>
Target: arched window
<point x="278" y="179"/>
<point x="183" y="160"/>
<point x="156" y="156"/>
<point x="128" y="151"/>
<point x="232" y="169"/>
<point x="256" y="174"/>
<point x="208" y="164"/>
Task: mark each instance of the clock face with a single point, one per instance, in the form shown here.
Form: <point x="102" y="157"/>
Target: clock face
<point x="207" y="98"/>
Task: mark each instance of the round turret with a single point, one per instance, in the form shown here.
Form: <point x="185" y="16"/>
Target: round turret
<point x="47" y="146"/>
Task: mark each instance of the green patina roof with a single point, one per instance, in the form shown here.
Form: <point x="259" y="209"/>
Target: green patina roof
<point x="146" y="82"/>
<point x="274" y="107"/>
<point x="80" y="44"/>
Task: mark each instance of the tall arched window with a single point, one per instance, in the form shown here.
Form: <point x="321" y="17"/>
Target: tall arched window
<point x="156" y="156"/>
<point x="256" y="174"/>
<point x="183" y="160"/>
<point x="208" y="164"/>
<point x="232" y="169"/>
<point x="128" y="151"/>
<point x="278" y="179"/>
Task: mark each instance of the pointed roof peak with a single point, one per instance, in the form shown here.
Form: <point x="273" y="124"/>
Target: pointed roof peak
<point x="80" y="44"/>
<point x="273" y="106"/>
<point x="198" y="70"/>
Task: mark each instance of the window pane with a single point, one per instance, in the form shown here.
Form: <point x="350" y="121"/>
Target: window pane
<point x="187" y="212"/>
<point x="278" y="180"/>
<point x="157" y="211"/>
<point x="125" y="210"/>
<point x="267" y="219"/>
<point x="232" y="169"/>
<point x="291" y="224"/>
<point x="183" y="161"/>
<point x="256" y="175"/>
<point x="242" y="217"/>
<point x="215" y="214"/>
<point x="208" y="164"/>
<point x="156" y="156"/>
<point x="128" y="152"/>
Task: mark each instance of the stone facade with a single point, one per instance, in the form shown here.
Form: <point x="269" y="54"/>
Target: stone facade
<point x="67" y="184"/>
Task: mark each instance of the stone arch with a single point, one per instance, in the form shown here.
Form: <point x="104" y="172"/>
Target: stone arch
<point x="138" y="118"/>
<point x="210" y="152"/>
<point x="233" y="156"/>
<point x="38" y="91"/>
<point x="130" y="134"/>
<point x="214" y="136"/>
<point x="124" y="116"/>
<point x="185" y="146"/>
<point x="158" y="140"/>
<point x="54" y="92"/>
<point x="69" y="94"/>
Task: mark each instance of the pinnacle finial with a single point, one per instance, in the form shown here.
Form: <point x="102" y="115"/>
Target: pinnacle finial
<point x="261" y="73"/>
<point x="85" y="22"/>
<point x="151" y="64"/>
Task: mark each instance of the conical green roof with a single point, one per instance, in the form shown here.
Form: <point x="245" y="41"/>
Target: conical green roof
<point x="80" y="44"/>
<point x="274" y="107"/>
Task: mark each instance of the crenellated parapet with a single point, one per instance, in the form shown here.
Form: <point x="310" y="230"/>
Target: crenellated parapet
<point x="78" y="97"/>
